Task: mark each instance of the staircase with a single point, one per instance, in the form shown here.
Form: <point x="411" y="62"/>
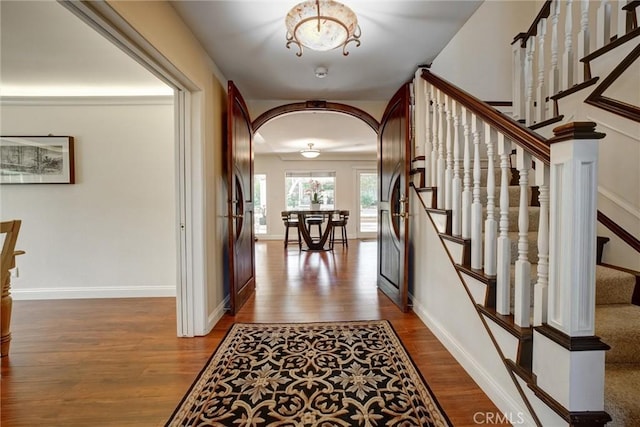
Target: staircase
<point x="512" y="202"/>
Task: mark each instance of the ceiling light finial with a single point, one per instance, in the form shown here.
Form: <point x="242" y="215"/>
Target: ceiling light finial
<point x="310" y="153"/>
<point x="322" y="25"/>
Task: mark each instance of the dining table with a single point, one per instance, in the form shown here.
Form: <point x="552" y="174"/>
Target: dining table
<point x="321" y="217"/>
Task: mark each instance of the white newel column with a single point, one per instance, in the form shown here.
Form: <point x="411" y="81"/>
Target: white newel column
<point x="503" y="274"/>
<point x="568" y="360"/>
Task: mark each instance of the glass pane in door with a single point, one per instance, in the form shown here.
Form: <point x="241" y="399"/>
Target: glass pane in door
<point x="260" y="203"/>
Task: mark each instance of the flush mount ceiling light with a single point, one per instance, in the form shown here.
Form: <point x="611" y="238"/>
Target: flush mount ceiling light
<point x="310" y="153"/>
<point x="322" y="25"/>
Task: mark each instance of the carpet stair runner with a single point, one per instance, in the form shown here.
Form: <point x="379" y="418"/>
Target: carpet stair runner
<point x="617" y="319"/>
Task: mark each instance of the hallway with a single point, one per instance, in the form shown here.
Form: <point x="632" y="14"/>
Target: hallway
<point x="117" y="362"/>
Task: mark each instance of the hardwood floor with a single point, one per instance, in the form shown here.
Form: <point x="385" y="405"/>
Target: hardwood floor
<point x="118" y="362"/>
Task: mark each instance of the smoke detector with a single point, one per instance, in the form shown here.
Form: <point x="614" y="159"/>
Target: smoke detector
<point x="321" y="72"/>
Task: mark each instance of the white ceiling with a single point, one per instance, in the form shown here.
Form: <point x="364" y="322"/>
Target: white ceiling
<point x="46" y="51"/>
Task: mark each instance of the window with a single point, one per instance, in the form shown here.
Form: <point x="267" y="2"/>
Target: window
<point x="300" y="187"/>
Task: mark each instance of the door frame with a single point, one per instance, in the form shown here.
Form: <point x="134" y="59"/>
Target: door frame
<point x="191" y="291"/>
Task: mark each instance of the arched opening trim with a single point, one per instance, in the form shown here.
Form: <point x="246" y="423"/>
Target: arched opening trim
<point x="316" y="106"/>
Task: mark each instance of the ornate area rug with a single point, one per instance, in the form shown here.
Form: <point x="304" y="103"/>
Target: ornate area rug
<point x="310" y="374"/>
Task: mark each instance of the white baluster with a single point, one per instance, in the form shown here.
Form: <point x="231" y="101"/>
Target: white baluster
<point x="456" y="184"/>
<point x="567" y="57"/>
<point x="540" y="292"/>
<point x="603" y="24"/>
<point x="448" y="174"/>
<point x="476" y="206"/>
<point x="441" y="148"/>
<point x="518" y="77"/>
<point x="428" y="141"/>
<point x="522" y="309"/>
<point x="554" y="73"/>
<point x="621" y="27"/>
<point x="503" y="273"/>
<point x="490" y="224"/>
<point x="540" y="94"/>
<point x="529" y="81"/>
<point x="583" y="39"/>
<point x="434" y="137"/>
<point x="466" y="165"/>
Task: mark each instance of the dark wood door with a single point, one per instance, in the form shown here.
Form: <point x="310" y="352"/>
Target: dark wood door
<point x="393" y="169"/>
<point x="239" y="170"/>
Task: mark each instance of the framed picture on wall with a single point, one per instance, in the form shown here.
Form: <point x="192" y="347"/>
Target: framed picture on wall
<point x="36" y="160"/>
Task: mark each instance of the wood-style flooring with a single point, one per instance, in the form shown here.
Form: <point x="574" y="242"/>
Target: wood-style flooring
<point x="118" y="362"/>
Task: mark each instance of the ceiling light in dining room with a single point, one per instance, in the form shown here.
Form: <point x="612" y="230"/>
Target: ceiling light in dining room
<point x="310" y="153"/>
<point x="322" y="25"/>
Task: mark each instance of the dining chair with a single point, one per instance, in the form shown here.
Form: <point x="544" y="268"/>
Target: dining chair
<point x="340" y="222"/>
<point x="290" y="220"/>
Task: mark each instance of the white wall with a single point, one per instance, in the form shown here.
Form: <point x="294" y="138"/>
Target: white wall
<point x="478" y="57"/>
<point x="275" y="168"/>
<point x="113" y="232"/>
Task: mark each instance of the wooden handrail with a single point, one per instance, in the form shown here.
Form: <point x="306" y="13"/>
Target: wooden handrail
<point x="544" y="13"/>
<point x="529" y="140"/>
<point x="619" y="231"/>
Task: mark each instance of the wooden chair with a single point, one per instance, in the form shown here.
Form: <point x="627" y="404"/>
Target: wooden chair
<point x="340" y="222"/>
<point x="9" y="231"/>
<point x="317" y="221"/>
<point x="290" y="221"/>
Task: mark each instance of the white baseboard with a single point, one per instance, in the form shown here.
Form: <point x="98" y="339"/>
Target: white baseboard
<point x="497" y="395"/>
<point x="94" y="292"/>
<point x="217" y="314"/>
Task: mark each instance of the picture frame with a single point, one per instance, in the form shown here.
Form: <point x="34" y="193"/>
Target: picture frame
<point x="37" y="160"/>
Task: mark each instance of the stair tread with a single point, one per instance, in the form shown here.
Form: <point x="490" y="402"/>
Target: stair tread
<point x="613" y="286"/>
<point x="621" y="391"/>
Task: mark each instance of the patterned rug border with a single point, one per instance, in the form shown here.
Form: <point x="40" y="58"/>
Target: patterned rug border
<point x="387" y="323"/>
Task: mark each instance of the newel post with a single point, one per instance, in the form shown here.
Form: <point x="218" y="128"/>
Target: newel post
<point x="568" y="360"/>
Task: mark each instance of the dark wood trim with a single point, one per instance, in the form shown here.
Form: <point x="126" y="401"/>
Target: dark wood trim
<point x="528" y="139"/>
<point x="583" y="418"/>
<point x="490" y="281"/>
<point x="316" y="105"/>
<point x="547" y="122"/>
<point x="418" y="158"/>
<point x="600" y="242"/>
<point x="588" y="343"/>
<point x="617" y="42"/>
<point x="465" y="243"/>
<point x="544" y="13"/>
<point x="575" y="131"/>
<point x="597" y="99"/>
<point x="446" y="212"/>
<point x="523" y="335"/>
<point x="574" y="89"/>
<point x="434" y="194"/>
<point x="500" y="103"/>
<point x="619" y="231"/>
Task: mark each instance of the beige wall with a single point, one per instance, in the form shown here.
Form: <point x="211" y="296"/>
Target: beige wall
<point x="478" y="57"/>
<point x="113" y="232"/>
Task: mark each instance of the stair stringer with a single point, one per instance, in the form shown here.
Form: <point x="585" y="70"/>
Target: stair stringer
<point x="437" y="293"/>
